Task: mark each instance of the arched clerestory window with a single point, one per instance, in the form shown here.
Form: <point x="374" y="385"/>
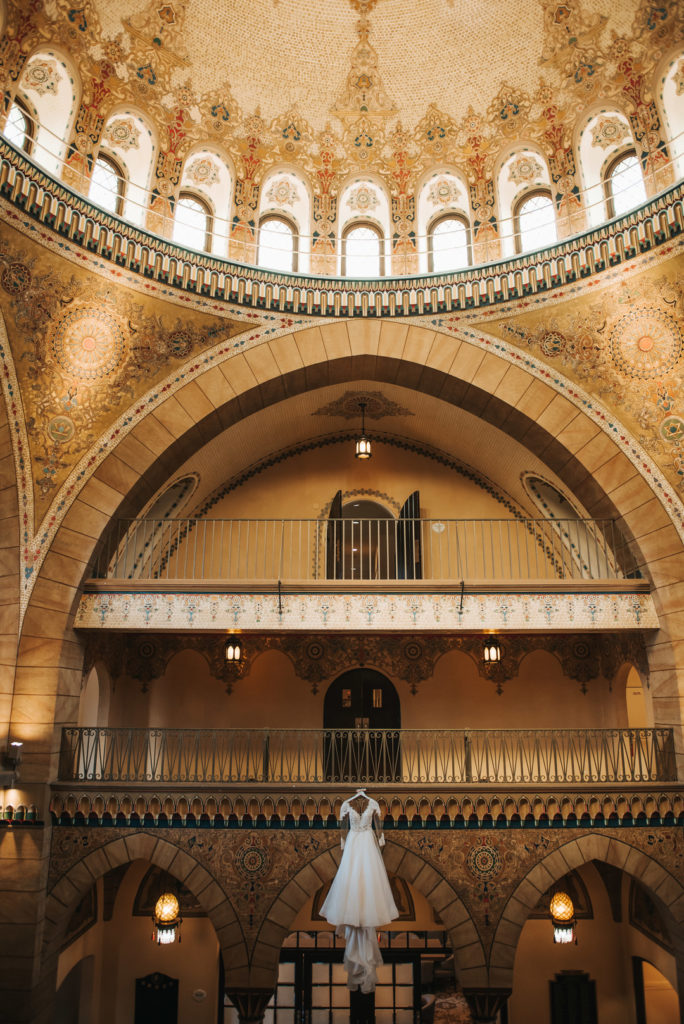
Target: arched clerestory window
<point x="192" y="222"/>
<point x="278" y="249"/>
<point x="535" y="221"/>
<point x="448" y="244"/>
<point x="363" y="252"/>
<point x="108" y="184"/>
<point x="624" y="184"/>
<point x="19" y="127"/>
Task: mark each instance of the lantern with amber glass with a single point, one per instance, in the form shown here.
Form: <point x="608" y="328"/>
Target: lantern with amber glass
<point x="563" y="918"/>
<point x="167" y="919"/>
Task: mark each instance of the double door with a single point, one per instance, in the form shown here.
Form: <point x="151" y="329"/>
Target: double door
<point x="362" y="719"/>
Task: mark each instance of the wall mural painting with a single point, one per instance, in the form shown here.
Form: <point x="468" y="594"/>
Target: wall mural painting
<point x="626" y="345"/>
<point x="84" y="351"/>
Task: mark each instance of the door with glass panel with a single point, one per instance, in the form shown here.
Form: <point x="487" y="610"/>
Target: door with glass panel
<point x="312" y="987"/>
<point x="361" y="719"/>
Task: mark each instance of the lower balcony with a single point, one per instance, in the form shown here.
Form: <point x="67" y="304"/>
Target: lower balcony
<point x="401" y="759"/>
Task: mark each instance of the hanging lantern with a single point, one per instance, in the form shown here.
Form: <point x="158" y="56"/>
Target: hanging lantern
<point x="563" y="918"/>
<point x="491" y="652"/>
<point x="167" y="919"/>
<point x="363" y="445"/>
<point x="233" y="651"/>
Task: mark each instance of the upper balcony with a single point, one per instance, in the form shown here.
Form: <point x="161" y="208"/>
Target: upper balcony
<point x="494" y="276"/>
<point x="518" y="573"/>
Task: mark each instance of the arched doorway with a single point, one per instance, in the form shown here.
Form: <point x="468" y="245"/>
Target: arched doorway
<point x="362" y="719"/>
<point x="364" y="541"/>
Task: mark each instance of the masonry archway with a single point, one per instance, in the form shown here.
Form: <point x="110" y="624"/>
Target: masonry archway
<point x="594" y="464"/>
<point x="664" y="887"/>
<point x="467" y="946"/>
<point x="75" y="882"/>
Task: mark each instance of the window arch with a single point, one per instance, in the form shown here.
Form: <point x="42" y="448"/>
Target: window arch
<point x="535" y="221"/>
<point x="108" y="184"/>
<point x="363" y="251"/>
<point x="278" y="243"/>
<point x="624" y="184"/>
<point x="19" y="127"/>
<point x="192" y="222"/>
<point x="449" y="245"/>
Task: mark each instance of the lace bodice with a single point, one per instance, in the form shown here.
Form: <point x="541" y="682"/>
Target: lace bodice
<point x="367" y="821"/>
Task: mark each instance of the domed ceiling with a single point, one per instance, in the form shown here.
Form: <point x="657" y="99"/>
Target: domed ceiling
<point x="284" y="54"/>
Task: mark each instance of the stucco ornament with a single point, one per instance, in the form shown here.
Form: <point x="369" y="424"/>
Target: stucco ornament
<point x="525" y="168"/>
<point x="443" y="192"/>
<point x="283" y="193"/>
<point x="122" y="133"/>
<point x="609" y="131"/>
<point x="203" y="172"/>
<point x="363" y="198"/>
<point x="41" y="76"/>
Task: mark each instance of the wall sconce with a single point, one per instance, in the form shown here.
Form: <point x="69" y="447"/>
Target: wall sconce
<point x="363" y="445"/>
<point x="491" y="652"/>
<point x="233" y="652"/>
<point x="166" y="919"/>
<point x="563" y="918"/>
<point x="9" y="763"/>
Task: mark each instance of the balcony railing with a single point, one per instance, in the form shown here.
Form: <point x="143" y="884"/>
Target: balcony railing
<point x="366" y="549"/>
<point x="406" y="756"/>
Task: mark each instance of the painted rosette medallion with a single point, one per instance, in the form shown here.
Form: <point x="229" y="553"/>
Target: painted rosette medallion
<point x="646" y="343"/>
<point x="88" y="343"/>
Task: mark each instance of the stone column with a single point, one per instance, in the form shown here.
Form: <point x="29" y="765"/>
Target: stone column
<point x="250" y="1003"/>
<point x="485" y="1003"/>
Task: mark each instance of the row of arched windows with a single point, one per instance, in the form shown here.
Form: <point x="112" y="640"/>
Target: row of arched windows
<point x="447" y="245"/>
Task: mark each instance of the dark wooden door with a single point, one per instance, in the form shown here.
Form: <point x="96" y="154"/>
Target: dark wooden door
<point x="156" y="999"/>
<point x="573" y="998"/>
<point x="409" y="564"/>
<point x="362" y="719"/>
<point x="333" y="540"/>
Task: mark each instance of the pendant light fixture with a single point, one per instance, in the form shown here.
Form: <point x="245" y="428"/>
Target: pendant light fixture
<point x="491" y="652"/>
<point x="233" y="651"/>
<point x="166" y="919"/>
<point x="363" y="445"/>
<point x="563" y="918"/>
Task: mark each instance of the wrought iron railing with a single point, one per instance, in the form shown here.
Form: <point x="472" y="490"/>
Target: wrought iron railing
<point x="365" y="549"/>
<point x="406" y="756"/>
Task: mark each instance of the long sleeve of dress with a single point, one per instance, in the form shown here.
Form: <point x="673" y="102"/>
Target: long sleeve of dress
<point x="377" y="824"/>
<point x="344" y="823"/>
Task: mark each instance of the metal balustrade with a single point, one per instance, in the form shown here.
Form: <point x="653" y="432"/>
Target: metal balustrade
<point x="406" y="756"/>
<point x="365" y="549"/>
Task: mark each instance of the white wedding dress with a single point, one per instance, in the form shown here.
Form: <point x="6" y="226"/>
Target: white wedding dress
<point x="360" y="898"/>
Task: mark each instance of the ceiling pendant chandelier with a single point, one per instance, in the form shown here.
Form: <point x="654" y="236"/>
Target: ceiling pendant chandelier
<point x="563" y="918"/>
<point x="166" y="919"/>
<point x="363" y="445"/>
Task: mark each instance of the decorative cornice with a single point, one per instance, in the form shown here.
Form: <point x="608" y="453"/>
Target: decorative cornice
<point x="318" y="658"/>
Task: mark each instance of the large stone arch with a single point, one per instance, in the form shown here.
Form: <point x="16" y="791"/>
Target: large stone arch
<point x="64" y="896"/>
<point x="469" y="955"/>
<point x="9" y="554"/>
<point x="666" y="890"/>
<point x="585" y="455"/>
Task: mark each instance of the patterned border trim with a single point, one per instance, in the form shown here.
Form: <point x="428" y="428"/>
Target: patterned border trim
<point x="52" y="204"/>
<point x="371" y="611"/>
<point x="545" y="807"/>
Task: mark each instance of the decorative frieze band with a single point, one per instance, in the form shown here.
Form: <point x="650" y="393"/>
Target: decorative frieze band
<point x="411" y="612"/>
